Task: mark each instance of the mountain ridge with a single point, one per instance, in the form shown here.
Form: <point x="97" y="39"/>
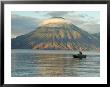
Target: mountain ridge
<point x="57" y="34"/>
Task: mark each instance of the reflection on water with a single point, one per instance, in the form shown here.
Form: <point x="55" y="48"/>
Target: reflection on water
<point x="50" y="65"/>
<point x="33" y="64"/>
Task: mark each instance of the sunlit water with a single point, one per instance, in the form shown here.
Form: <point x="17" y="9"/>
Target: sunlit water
<point x="32" y="63"/>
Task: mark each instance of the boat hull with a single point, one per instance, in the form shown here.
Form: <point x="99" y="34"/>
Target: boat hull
<point x="79" y="56"/>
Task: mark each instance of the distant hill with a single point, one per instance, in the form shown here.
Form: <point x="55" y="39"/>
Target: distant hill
<point x="57" y="34"/>
<point x="97" y="35"/>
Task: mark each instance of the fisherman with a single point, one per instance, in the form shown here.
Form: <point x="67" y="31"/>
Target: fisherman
<point x="80" y="52"/>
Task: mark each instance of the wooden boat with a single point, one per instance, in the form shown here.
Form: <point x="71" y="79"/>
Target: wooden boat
<point x="79" y="56"/>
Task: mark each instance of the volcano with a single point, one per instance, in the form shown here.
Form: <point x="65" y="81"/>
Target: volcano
<point x="56" y="34"/>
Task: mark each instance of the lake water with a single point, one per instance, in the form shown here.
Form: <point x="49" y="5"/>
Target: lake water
<point x="33" y="63"/>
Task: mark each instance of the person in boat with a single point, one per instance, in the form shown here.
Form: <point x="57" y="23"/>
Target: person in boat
<point x="79" y="55"/>
<point x="80" y="52"/>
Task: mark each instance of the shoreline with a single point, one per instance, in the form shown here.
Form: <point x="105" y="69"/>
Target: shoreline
<point x="52" y="51"/>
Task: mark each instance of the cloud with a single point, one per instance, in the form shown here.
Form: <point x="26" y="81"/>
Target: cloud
<point x="77" y="21"/>
<point x="57" y="13"/>
<point x="15" y="34"/>
<point x="22" y="25"/>
<point x="84" y="21"/>
<point x="69" y="15"/>
<point x="94" y="21"/>
<point x="91" y="28"/>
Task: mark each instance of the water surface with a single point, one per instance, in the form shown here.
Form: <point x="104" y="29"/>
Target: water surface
<point x="33" y="63"/>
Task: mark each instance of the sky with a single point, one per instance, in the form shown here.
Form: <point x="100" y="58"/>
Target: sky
<point x="23" y="22"/>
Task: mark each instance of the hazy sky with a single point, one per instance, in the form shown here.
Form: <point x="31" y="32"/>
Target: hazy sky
<point x="23" y="22"/>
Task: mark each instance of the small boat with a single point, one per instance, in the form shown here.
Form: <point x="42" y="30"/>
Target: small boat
<point x="79" y="56"/>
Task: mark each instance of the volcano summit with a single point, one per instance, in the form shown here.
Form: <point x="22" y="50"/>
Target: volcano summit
<point x="56" y="34"/>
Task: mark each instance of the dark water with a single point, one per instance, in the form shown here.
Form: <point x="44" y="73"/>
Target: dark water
<point x="31" y="63"/>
